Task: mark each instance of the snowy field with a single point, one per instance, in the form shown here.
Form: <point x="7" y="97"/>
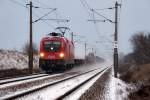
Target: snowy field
<point x="107" y="87"/>
<point x="15" y="60"/>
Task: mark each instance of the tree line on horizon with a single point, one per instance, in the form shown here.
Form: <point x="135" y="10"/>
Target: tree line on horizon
<point x="141" y="49"/>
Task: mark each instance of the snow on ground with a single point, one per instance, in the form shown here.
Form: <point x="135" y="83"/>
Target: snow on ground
<point x="88" y="67"/>
<point x="14" y="60"/>
<point x="108" y="88"/>
<point x="116" y="89"/>
<point x="79" y="92"/>
<point x="119" y="90"/>
<point x="53" y="92"/>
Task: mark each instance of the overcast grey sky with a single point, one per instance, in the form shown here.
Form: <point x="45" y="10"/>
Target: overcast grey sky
<point x="14" y="22"/>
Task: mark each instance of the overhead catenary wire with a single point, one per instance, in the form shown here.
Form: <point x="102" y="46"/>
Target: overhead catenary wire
<point x="57" y="14"/>
<point x="25" y="6"/>
<point x="41" y="7"/>
<point x="41" y="3"/>
<point x="60" y="18"/>
<point x="88" y="8"/>
<point x="85" y="7"/>
<point x="45" y="15"/>
<point x="120" y="11"/>
<point x="106" y="8"/>
<point x="107" y="19"/>
<point x="45" y="22"/>
<point x="96" y="28"/>
<point x="84" y="1"/>
<point x="25" y="1"/>
<point x="97" y="31"/>
<point x="35" y="14"/>
<point x="87" y="4"/>
<point x="18" y="3"/>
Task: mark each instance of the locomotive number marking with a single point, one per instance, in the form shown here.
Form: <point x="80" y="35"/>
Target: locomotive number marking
<point x="51" y="57"/>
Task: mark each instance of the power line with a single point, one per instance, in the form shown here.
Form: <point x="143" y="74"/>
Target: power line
<point x="54" y="19"/>
<point x="85" y="7"/>
<point x="25" y="1"/>
<point x="102" y="16"/>
<point x="120" y="10"/>
<point x="43" y="20"/>
<point x="45" y="15"/>
<point x="56" y="13"/>
<point x="105" y="8"/>
<point x="18" y="3"/>
<point x="44" y="7"/>
<point x="59" y="16"/>
<point x="59" y="20"/>
<point x="87" y="4"/>
<point x="41" y="3"/>
<point x="24" y="5"/>
<point x="96" y="27"/>
<point x="41" y="7"/>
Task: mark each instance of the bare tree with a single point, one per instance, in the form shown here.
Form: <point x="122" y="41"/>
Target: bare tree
<point x="25" y="48"/>
<point x="141" y="48"/>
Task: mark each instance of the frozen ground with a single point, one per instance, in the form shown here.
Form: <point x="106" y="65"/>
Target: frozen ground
<point x="14" y="60"/>
<point x="88" y="67"/>
<point x="108" y="88"/>
<point x="105" y="88"/>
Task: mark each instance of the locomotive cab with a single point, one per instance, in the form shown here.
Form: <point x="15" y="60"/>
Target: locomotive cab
<point x="55" y="52"/>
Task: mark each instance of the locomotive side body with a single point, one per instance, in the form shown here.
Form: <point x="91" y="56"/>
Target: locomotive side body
<point x="56" y="52"/>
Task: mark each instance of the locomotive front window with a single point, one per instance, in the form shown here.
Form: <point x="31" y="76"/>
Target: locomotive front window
<point x="52" y="46"/>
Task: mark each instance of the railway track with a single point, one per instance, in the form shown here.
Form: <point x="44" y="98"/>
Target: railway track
<point x="68" y="93"/>
<point x="73" y="82"/>
<point x="6" y="78"/>
<point x="21" y="78"/>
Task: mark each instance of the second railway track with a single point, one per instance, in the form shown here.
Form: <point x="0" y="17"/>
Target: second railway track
<point x="21" y="78"/>
<point x="77" y="79"/>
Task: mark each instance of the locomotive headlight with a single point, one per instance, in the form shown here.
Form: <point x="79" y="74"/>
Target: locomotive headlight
<point x="41" y="54"/>
<point x="61" y="55"/>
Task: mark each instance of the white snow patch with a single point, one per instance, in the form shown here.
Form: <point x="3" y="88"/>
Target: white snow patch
<point x="53" y="92"/>
<point x="14" y="60"/>
<point x="117" y="89"/>
<point x="84" y="68"/>
<point x="79" y="92"/>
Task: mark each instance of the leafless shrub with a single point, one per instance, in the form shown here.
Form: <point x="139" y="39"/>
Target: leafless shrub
<point x="141" y="48"/>
<point x="25" y="48"/>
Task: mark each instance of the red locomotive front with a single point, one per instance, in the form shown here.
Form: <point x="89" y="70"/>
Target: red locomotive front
<point x="56" y="52"/>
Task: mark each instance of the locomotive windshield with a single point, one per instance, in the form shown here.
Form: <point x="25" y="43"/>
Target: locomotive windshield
<point x="52" y="46"/>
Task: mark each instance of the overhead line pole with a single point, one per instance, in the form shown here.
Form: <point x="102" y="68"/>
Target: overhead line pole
<point x="115" y="56"/>
<point x="30" y="52"/>
<point x="72" y="39"/>
<point x="31" y="42"/>
<point x="116" y="41"/>
<point x="85" y="49"/>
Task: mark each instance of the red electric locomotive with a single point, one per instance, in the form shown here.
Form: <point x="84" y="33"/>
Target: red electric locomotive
<point x="56" y="51"/>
